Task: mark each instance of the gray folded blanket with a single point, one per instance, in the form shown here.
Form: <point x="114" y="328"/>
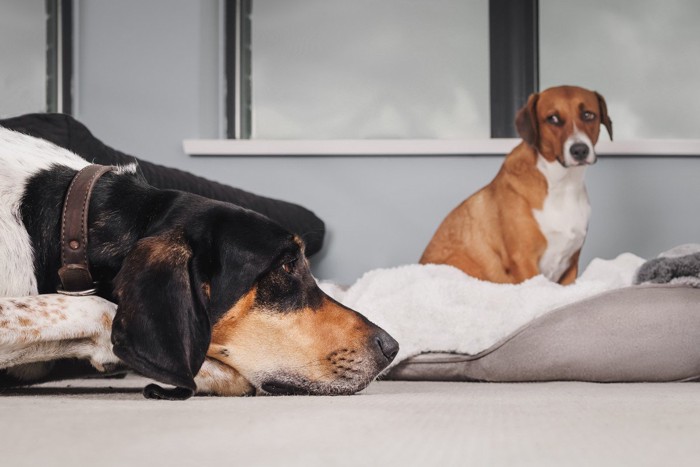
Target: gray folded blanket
<point x="680" y="265"/>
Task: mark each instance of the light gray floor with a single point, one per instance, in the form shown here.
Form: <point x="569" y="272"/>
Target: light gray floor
<point x="108" y="423"/>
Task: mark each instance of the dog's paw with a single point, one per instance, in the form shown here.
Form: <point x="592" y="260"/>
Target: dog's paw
<point x="153" y="391"/>
<point x="100" y="354"/>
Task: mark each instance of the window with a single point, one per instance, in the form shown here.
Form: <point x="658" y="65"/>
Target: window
<point x="366" y="69"/>
<point x="23" y="57"/>
<point x="643" y="56"/>
<point x="35" y="54"/>
<point x="371" y="70"/>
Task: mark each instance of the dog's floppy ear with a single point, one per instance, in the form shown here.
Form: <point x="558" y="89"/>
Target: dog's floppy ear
<point x="604" y="117"/>
<point x="526" y="121"/>
<point x="173" y="286"/>
<point x="232" y="248"/>
<point x="162" y="328"/>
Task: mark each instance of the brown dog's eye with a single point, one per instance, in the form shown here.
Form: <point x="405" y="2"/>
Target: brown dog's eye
<point x="554" y="120"/>
<point x="588" y="116"/>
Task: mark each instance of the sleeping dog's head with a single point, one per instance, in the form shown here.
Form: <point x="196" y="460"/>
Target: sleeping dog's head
<point x="563" y="124"/>
<point x="218" y="281"/>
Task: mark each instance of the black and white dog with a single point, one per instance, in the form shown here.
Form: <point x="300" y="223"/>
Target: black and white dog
<point x="197" y="282"/>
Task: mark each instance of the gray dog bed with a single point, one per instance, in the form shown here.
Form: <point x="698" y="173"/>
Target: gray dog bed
<point x="648" y="332"/>
<point x="641" y="333"/>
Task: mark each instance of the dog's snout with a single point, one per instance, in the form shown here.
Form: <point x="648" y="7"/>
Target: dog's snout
<point x="579" y="151"/>
<point x="387" y="346"/>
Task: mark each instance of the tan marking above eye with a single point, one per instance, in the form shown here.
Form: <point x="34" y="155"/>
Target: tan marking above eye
<point x="301" y="244"/>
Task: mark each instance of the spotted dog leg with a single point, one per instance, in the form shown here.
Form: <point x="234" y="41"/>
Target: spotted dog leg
<point x="36" y="330"/>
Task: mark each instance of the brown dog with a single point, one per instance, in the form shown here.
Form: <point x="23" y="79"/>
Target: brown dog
<point x="532" y="218"/>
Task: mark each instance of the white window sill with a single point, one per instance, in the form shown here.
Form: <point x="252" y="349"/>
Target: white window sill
<point x="420" y="147"/>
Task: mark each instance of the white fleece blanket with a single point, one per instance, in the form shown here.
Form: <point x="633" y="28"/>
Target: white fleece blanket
<point x="438" y="308"/>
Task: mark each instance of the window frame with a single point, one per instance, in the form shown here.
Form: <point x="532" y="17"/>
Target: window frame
<point x="512" y="43"/>
<point x="514" y="75"/>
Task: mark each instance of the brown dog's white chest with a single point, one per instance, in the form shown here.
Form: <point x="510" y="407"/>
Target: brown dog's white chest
<point x="563" y="219"/>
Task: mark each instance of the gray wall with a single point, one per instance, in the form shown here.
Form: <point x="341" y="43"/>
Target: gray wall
<point x="22" y="57"/>
<point x="147" y="78"/>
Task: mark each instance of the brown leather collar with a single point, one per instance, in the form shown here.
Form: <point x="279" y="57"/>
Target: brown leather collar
<point x="75" y="271"/>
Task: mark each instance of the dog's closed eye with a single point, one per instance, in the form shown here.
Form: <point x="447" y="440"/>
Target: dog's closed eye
<point x="290" y="266"/>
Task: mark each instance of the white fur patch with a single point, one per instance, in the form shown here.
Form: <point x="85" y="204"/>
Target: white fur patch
<point x="21" y="157"/>
<point x="564" y="217"/>
<point x="126" y="169"/>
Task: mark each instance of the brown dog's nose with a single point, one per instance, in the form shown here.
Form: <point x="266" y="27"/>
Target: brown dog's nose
<point x="579" y="151"/>
<point x="387" y="345"/>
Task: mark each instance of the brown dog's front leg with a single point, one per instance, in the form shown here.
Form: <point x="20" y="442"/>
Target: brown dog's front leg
<point x="524" y="268"/>
<point x="570" y="275"/>
<point x="525" y="244"/>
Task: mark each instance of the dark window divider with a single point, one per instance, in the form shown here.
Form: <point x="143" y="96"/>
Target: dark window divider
<point x="237" y="67"/>
<point x="59" y="56"/>
<point x="514" y="59"/>
<point x="67" y="56"/>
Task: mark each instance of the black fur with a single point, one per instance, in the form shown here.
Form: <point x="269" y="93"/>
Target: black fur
<point x="153" y="252"/>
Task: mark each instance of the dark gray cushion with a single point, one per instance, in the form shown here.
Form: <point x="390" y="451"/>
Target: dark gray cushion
<point x="65" y="131"/>
<point x="639" y="333"/>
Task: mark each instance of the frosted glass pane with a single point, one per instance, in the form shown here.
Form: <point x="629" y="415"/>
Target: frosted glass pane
<point x="643" y="56"/>
<point x="330" y="69"/>
<point x="22" y="57"/>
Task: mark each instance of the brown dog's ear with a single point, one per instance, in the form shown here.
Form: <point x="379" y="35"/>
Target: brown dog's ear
<point x="526" y="121"/>
<point x="604" y="117"/>
<point x="162" y="328"/>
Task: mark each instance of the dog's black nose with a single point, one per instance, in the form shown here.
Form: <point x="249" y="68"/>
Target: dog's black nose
<point x="388" y="345"/>
<point x="579" y="151"/>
